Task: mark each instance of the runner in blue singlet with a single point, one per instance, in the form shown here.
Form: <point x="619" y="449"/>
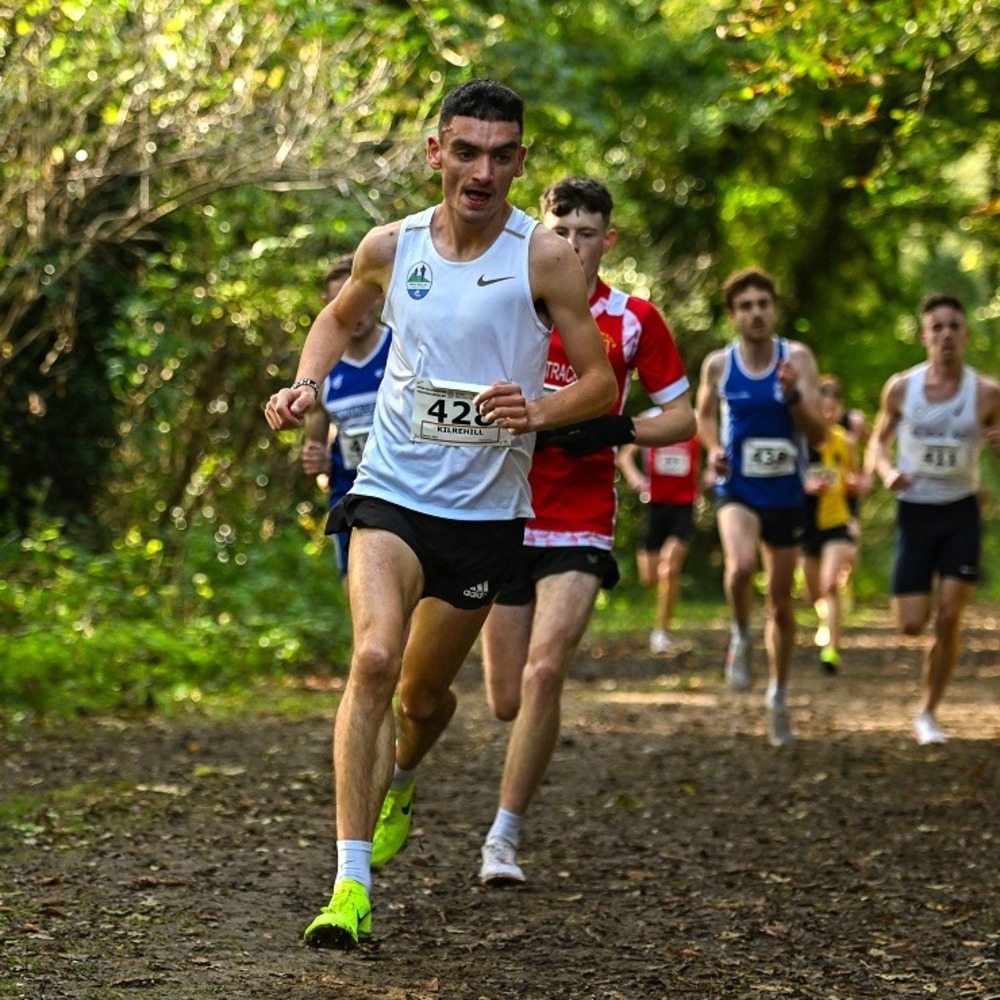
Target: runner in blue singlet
<point x="757" y="406"/>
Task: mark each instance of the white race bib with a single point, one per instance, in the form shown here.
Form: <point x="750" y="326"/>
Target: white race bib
<point x="767" y="457"/>
<point x="443" y="413"/>
<point x="351" y="441"/>
<point x="821" y="477"/>
<point x="672" y="462"/>
<point x="941" y="460"/>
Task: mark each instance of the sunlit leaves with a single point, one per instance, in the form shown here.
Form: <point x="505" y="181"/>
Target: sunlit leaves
<point x="210" y="157"/>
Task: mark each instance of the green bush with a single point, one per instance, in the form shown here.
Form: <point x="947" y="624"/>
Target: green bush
<point x="134" y="629"/>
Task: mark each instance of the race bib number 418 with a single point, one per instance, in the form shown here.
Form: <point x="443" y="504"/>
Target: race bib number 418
<point x="443" y="412"/>
<point x="941" y="460"/>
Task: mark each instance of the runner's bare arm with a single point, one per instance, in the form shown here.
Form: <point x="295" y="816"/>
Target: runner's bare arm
<point x="707" y="412"/>
<point x="330" y="332"/>
<point x="627" y="460"/>
<point x="799" y="378"/>
<point x="989" y="412"/>
<point x="673" y="423"/>
<point x="878" y="457"/>
<point x="315" y="446"/>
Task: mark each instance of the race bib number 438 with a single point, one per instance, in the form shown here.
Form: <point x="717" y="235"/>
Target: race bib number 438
<point x="765" y="457"/>
<point x="443" y="412"/>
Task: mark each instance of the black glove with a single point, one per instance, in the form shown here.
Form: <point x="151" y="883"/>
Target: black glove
<point x="589" y="436"/>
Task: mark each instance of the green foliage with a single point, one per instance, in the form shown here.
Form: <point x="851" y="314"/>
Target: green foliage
<point x="154" y="120"/>
<point x="165" y="221"/>
<point x="130" y="629"/>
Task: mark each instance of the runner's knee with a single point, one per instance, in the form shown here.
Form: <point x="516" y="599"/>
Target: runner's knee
<point x="420" y="703"/>
<point x="911" y="625"/>
<point x="374" y="666"/>
<point x="543" y="681"/>
<point x="948" y="621"/>
<point x="504" y="704"/>
<point x="740" y="572"/>
<point x="782" y="613"/>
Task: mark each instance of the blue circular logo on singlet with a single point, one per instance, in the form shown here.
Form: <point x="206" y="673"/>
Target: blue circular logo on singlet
<point x="418" y="280"/>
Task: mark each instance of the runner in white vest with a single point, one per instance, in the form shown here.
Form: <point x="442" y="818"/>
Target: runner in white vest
<point x="473" y="289"/>
<point x="939" y="414"/>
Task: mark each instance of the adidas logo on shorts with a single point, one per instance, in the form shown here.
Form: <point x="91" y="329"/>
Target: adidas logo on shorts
<point x="480" y="590"/>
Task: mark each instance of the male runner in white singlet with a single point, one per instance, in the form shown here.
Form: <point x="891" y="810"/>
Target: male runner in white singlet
<point x="438" y="508"/>
<point x="938" y="413"/>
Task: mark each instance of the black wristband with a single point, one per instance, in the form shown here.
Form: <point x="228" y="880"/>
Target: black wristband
<point x="793" y="397"/>
<point x="589" y="436"/>
<point x="625" y="427"/>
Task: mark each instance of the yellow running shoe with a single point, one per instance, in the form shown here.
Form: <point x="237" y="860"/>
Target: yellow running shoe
<point x="344" y="920"/>
<point x="393" y="825"/>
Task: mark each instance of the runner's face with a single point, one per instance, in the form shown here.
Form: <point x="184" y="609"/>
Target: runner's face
<point x="945" y="334"/>
<point x="478" y="162"/>
<point x="831" y="407"/>
<point x="754" y="313"/>
<point x="587" y="234"/>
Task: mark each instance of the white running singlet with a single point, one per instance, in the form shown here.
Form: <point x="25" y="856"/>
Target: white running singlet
<point x="457" y="328"/>
<point x="939" y="443"/>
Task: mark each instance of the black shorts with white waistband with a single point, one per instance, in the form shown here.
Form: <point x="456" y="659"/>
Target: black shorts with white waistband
<point x="464" y="562"/>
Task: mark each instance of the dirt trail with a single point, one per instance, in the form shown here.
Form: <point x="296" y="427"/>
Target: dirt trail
<point x="672" y="852"/>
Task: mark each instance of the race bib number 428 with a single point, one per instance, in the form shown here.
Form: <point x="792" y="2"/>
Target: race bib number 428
<point x="443" y="412"/>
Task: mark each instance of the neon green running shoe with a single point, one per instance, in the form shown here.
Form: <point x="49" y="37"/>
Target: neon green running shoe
<point x="345" y="919"/>
<point x="393" y="825"/>
<point x="829" y="659"/>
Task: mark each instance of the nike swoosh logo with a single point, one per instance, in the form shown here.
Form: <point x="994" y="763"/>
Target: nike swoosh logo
<point x="405" y="810"/>
<point x="484" y="281"/>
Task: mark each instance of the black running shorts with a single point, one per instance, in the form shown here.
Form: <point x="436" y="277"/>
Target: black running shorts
<point x="667" y="520"/>
<point x="535" y="562"/>
<point x="942" y="539"/>
<point x="464" y="562"/>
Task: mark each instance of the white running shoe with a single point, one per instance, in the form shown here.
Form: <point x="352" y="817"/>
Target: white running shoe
<point x="779" y="729"/>
<point x="926" y="731"/>
<point x="499" y="866"/>
<point x="738" y="665"/>
<point x="660" y="641"/>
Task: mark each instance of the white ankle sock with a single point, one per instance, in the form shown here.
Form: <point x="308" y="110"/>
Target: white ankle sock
<point x="401" y="778"/>
<point x="354" y="861"/>
<point x="506" y="826"/>
<point x="775" y="697"/>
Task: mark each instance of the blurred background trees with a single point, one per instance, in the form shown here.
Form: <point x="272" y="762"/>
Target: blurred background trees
<point x="175" y="174"/>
